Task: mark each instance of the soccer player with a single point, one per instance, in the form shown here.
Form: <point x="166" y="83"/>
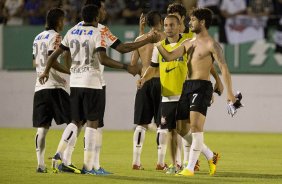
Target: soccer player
<point x="85" y="82"/>
<point x="67" y="143"/>
<point x="179" y="10"/>
<point x="51" y="101"/>
<point x="147" y="99"/>
<point x="172" y="77"/>
<point x="197" y="89"/>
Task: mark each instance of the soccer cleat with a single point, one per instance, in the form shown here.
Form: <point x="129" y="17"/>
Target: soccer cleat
<point x="161" y="168"/>
<point x="171" y="169"/>
<point x="70" y="168"/>
<point x="39" y="170"/>
<point x="213" y="162"/>
<point x="102" y="171"/>
<point x="91" y="172"/>
<point x="137" y="167"/>
<point x="56" y="162"/>
<point x="185" y="172"/>
<point x="197" y="166"/>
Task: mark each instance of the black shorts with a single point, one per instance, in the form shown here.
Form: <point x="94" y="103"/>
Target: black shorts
<point x="102" y="112"/>
<point x="168" y="112"/>
<point x="196" y="96"/>
<point x="86" y="104"/>
<point x="51" y="104"/>
<point x="147" y="101"/>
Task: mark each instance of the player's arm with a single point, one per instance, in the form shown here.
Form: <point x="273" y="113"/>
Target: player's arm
<point x="67" y="59"/>
<point x="151" y="70"/>
<point x="109" y="62"/>
<point x="142" y="23"/>
<point x="50" y="61"/>
<point x="128" y="47"/>
<point x="174" y="54"/>
<point x="218" y="87"/>
<point x="217" y="52"/>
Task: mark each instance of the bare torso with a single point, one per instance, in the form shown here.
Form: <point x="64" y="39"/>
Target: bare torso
<point x="146" y="51"/>
<point x="199" y="58"/>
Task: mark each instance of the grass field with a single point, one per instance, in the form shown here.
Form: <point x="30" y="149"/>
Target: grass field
<point x="246" y="158"/>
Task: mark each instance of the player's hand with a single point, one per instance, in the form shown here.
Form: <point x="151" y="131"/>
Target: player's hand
<point x="133" y="69"/>
<point x="218" y="87"/>
<point x="142" y="22"/>
<point x="140" y="83"/>
<point x="233" y="106"/>
<point x="154" y="37"/>
<point x="43" y="78"/>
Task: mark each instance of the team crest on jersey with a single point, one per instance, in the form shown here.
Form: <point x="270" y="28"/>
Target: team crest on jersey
<point x="163" y="120"/>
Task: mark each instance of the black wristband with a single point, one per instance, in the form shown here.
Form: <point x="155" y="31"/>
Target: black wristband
<point x="124" y="66"/>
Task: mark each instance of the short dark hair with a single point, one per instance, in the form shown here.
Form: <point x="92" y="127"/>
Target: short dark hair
<point x="153" y="18"/>
<point x="90" y="13"/>
<point x="94" y="2"/>
<point x="203" y="14"/>
<point x="177" y="8"/>
<point x="173" y="17"/>
<point x="53" y="17"/>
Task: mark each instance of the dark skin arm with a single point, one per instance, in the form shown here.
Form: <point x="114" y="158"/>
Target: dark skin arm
<point x="51" y="60"/>
<point x="128" y="47"/>
<point x="109" y="62"/>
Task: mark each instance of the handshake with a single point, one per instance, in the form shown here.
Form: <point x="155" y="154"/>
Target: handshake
<point x="232" y="107"/>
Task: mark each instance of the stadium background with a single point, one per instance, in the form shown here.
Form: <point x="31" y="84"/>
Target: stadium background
<point x="255" y="66"/>
<point x="260" y="85"/>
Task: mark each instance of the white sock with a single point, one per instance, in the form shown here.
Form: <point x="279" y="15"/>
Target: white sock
<point x="186" y="142"/>
<point x="89" y="146"/>
<point x="138" y="140"/>
<point x="178" y="159"/>
<point x="40" y="146"/>
<point x="70" y="148"/>
<point x="196" y="148"/>
<point x="97" y="149"/>
<point x="69" y="133"/>
<point x="207" y="152"/>
<point x="162" y="145"/>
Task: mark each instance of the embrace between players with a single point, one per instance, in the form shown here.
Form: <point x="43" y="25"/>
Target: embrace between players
<point x="184" y="76"/>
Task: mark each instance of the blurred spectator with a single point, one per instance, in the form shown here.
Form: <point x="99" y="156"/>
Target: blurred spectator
<point x="15" y="10"/>
<point x="3" y="12"/>
<point x="188" y="4"/>
<point x="278" y="23"/>
<point x="231" y="8"/>
<point x="72" y="15"/>
<point x="114" y="11"/>
<point x="132" y="11"/>
<point x="35" y="10"/>
<point x="212" y="5"/>
<point x="259" y="7"/>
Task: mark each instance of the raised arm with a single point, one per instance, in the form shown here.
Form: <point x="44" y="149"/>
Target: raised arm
<point x="142" y="22"/>
<point x="128" y="47"/>
<point x="219" y="57"/>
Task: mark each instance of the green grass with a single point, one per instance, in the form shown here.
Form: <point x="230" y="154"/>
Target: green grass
<point x="246" y="158"/>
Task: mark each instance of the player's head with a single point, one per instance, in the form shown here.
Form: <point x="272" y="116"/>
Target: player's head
<point x="90" y="13"/>
<point x="55" y="19"/>
<point x="178" y="10"/>
<point x="101" y="5"/>
<point x="200" y="18"/>
<point x="171" y="25"/>
<point x="153" y="19"/>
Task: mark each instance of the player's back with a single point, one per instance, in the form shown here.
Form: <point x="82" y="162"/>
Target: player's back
<point x="43" y="44"/>
<point x="82" y="41"/>
<point x="146" y="51"/>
